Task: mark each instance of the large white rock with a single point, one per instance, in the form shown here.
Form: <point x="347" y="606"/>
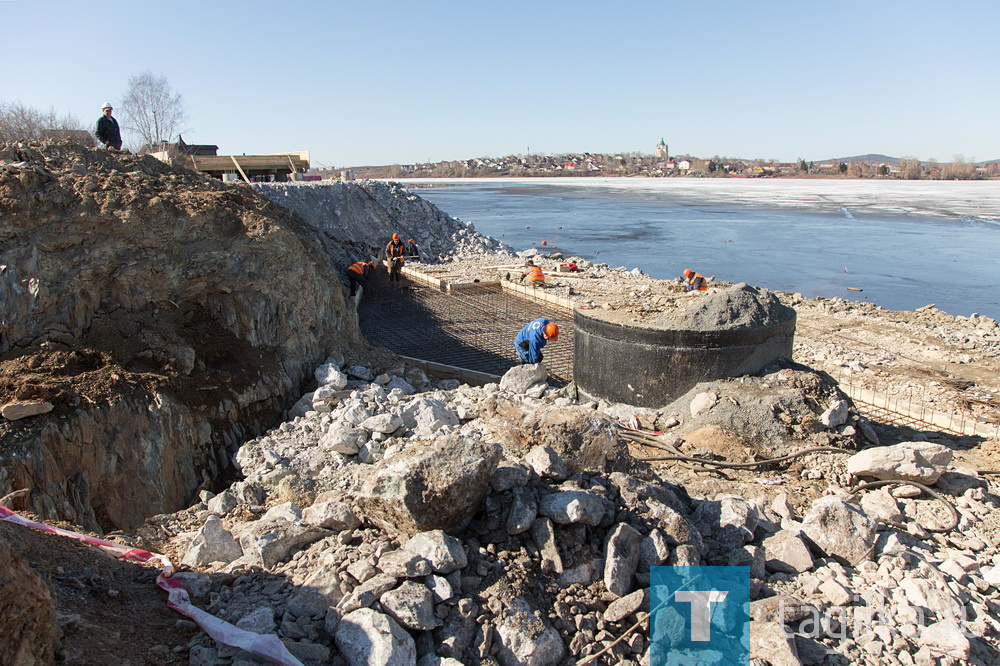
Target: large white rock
<point x="772" y="642"/>
<point x="526" y="640"/>
<point x="13" y="411"/>
<point x="383" y="423"/>
<point x="836" y="414"/>
<point x="329" y="374"/>
<point x="840" y="529"/>
<point x="923" y="462"/>
<point x="412" y="605"/>
<point x="343" y="438"/>
<point x="369" y="638"/>
<point x="946" y="637"/>
<point x="547" y="463"/>
<point x="444" y="552"/>
<point x="522" y="377"/>
<point x="331" y="515"/>
<point x="621" y="559"/>
<point x="428" y="415"/>
<point x="703" y="402"/>
<point x="786" y="552"/>
<point x="574" y="506"/>
<point x="212" y="543"/>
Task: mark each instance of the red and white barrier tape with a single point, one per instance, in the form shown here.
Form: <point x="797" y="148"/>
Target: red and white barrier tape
<point x="267" y="646"/>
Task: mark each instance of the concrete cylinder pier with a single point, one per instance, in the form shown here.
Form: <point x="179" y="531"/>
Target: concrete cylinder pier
<point x="647" y="366"/>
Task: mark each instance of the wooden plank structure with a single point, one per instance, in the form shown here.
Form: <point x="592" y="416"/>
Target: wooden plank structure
<point x="252" y="167"/>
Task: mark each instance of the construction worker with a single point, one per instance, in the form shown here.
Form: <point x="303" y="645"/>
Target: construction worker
<point x="534" y="274"/>
<point x="357" y="274"/>
<point x="394" y="253"/>
<point x="695" y="281"/>
<point x="412" y="251"/>
<point x="530" y="339"/>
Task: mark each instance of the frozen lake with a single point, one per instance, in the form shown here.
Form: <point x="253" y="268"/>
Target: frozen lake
<point x="904" y="243"/>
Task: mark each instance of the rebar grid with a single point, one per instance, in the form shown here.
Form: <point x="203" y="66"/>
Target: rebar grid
<point x="883" y="404"/>
<point x="471" y="328"/>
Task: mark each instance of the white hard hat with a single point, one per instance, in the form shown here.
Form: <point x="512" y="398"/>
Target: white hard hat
<point x="107" y="105"/>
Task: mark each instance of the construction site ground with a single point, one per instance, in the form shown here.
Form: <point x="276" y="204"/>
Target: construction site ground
<point x="110" y="608"/>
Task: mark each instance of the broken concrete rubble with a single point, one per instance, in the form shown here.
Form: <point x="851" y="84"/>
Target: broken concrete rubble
<point x="533" y="517"/>
<point x="923" y="462"/>
<point x="336" y="557"/>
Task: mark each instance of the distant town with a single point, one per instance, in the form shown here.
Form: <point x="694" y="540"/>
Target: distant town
<point x="660" y="164"/>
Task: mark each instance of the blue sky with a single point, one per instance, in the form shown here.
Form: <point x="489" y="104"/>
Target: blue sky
<point x="384" y="82"/>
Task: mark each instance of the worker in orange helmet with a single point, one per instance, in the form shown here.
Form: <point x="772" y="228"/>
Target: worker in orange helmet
<point x="412" y="251"/>
<point x="534" y="274"/>
<point x="695" y="281"/>
<point x="357" y="274"/>
<point x="530" y="339"/>
<point x="394" y="253"/>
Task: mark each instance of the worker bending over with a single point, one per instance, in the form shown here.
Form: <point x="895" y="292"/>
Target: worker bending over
<point x="534" y="274"/>
<point x="695" y="281"/>
<point x="394" y="253"/>
<point x="357" y="274"/>
<point x="532" y="338"/>
<point x="412" y="250"/>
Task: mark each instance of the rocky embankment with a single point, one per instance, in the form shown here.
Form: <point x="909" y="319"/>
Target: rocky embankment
<point x="392" y="518"/>
<point x="396" y="519"/>
<point x="164" y="318"/>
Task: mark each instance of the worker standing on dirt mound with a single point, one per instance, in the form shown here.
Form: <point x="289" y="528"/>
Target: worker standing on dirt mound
<point x="394" y="253"/>
<point x="357" y="274"/>
<point x="695" y="281"/>
<point x="108" y="132"/>
<point x="532" y="338"/>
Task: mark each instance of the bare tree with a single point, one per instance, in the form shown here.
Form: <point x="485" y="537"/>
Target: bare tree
<point x="151" y="109"/>
<point x="24" y="123"/>
<point x="910" y="169"/>
<point x="959" y="169"/>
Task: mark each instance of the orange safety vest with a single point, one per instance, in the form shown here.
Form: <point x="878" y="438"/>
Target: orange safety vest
<point x="704" y="282"/>
<point x="358" y="267"/>
<point x="535" y="274"/>
<point x="393" y="250"/>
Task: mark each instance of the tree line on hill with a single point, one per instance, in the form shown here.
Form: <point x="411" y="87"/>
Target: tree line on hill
<point x="639" y="164"/>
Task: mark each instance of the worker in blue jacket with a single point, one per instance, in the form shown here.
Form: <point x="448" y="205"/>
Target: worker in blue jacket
<point x="532" y="338"/>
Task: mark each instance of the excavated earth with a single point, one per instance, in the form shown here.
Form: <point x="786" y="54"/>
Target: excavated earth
<point x="189" y="334"/>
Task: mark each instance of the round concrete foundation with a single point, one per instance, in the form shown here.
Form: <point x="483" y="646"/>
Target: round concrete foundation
<point x="649" y="367"/>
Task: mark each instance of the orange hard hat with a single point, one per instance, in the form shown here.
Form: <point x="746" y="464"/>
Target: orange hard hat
<point x="552" y="331"/>
<point x="395" y="237"/>
<point x="410" y="241"/>
<point x="688" y="272"/>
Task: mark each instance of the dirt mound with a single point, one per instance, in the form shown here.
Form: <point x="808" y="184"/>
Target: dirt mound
<point x="738" y="307"/>
<point x="145" y="299"/>
<point x="99" y="605"/>
<point x="28" y="633"/>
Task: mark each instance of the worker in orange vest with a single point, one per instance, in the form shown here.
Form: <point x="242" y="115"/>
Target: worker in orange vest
<point x="357" y="274"/>
<point x="394" y="253"/>
<point x="695" y="281"/>
<point x="534" y="274"/>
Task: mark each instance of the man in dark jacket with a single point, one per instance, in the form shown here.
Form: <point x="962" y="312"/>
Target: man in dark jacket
<point x="108" y="132"/>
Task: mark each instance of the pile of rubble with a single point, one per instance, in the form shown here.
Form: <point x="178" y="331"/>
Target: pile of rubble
<point x="396" y="519"/>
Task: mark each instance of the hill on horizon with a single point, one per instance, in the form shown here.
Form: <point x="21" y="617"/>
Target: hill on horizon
<point x="870" y="157"/>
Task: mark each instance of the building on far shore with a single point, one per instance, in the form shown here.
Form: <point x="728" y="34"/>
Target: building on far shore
<point x="662" y="152"/>
<point x="277" y="167"/>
